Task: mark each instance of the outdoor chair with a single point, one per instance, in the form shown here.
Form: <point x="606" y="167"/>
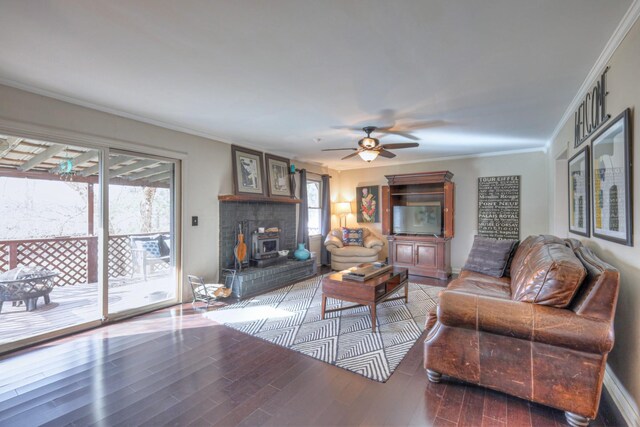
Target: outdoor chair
<point x="148" y="251"/>
<point x="211" y="292"/>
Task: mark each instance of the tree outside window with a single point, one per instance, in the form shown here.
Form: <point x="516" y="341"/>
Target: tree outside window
<point x="315" y="206"/>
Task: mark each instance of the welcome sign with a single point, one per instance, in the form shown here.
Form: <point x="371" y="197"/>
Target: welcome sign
<point x="591" y="113"/>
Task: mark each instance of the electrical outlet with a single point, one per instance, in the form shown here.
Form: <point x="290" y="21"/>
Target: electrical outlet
<point x="194" y="221"/>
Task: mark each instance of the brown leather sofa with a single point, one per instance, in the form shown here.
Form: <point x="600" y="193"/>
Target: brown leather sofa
<point x="542" y="335"/>
<point x="343" y="257"/>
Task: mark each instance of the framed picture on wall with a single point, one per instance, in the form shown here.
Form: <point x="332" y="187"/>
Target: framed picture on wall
<point x="367" y="200"/>
<point x="278" y="175"/>
<point x="579" y="202"/>
<point x="611" y="181"/>
<point x="248" y="176"/>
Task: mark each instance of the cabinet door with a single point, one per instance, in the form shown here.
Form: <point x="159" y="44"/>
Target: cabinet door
<point x="426" y="255"/>
<point x="403" y="253"/>
<point x="449" y="209"/>
<point x="386" y="210"/>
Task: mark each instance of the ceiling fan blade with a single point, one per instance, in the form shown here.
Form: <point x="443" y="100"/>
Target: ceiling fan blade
<point x="350" y="155"/>
<point x="387" y="154"/>
<point x="401" y="145"/>
<point x="399" y="133"/>
<point x="423" y="125"/>
<point x="353" y="128"/>
<point x="338" y="149"/>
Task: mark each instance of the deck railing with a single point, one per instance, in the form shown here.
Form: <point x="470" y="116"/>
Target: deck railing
<point x="75" y="258"/>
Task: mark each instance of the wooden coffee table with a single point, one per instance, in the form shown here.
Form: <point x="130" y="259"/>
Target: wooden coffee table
<point x="369" y="292"/>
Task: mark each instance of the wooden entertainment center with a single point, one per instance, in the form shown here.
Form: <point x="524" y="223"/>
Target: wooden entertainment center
<point x="430" y="193"/>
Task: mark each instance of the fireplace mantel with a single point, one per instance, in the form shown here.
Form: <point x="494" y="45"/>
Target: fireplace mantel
<point x="255" y="198"/>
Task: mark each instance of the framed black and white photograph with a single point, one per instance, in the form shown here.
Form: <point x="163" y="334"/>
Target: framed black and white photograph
<point x="278" y="175"/>
<point x="579" y="202"/>
<point x="248" y="177"/>
<point x="611" y="181"/>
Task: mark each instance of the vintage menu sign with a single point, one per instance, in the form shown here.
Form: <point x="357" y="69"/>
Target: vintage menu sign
<point x="499" y="207"/>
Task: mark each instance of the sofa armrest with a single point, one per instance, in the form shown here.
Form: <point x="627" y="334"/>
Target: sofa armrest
<point x="372" y="241"/>
<point x="332" y="242"/>
<point x="533" y="322"/>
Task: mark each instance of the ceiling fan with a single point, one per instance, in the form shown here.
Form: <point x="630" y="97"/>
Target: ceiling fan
<point x="370" y="147"/>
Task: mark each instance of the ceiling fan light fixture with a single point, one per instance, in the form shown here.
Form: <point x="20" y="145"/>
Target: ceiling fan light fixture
<point x="368" y="142"/>
<point x="368" y="155"/>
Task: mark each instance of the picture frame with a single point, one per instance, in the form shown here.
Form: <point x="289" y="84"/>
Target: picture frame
<point x="278" y="183"/>
<point x="611" y="184"/>
<point x="248" y="173"/>
<point x="368" y="204"/>
<point x="579" y="182"/>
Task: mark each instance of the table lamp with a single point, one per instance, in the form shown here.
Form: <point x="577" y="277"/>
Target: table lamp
<point x="342" y="209"/>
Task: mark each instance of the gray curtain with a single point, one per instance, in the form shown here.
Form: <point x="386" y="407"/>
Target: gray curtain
<point x="325" y="220"/>
<point x="303" y="216"/>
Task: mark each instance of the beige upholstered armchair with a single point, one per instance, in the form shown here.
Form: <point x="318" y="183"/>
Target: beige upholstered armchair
<point x="343" y="257"/>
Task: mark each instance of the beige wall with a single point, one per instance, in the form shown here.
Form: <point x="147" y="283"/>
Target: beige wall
<point x="532" y="168"/>
<point x="206" y="163"/>
<point x="624" y="92"/>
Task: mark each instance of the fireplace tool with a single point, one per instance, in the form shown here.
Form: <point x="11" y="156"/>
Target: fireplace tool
<point x="240" y="251"/>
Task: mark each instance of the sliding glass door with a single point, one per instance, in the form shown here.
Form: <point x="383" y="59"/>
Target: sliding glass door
<point x="49" y="240"/>
<point x="66" y="265"/>
<point x="141" y="251"/>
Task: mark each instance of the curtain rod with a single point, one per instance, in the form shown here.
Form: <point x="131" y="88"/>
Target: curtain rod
<point x="318" y="174"/>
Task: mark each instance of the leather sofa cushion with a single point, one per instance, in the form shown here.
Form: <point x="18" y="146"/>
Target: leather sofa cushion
<point x="483" y="277"/>
<point x="490" y="256"/>
<point x="496" y="289"/>
<point x="527" y="246"/>
<point x="550" y="275"/>
<point x="349" y="251"/>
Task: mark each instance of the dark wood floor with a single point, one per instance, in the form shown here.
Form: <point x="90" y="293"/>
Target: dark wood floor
<point x="174" y="367"/>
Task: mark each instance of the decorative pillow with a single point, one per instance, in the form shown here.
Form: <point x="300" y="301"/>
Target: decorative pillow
<point x="352" y="236"/>
<point x="151" y="247"/>
<point x="164" y="244"/>
<point x="490" y="256"/>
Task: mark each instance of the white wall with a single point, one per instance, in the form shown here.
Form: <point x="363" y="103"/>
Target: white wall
<point x="624" y="92"/>
<point x="206" y="163"/>
<point x="532" y="167"/>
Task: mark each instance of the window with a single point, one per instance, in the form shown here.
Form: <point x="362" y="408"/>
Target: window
<point x="315" y="206"/>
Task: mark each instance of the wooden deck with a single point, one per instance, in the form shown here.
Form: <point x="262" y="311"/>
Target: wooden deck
<point x="72" y="305"/>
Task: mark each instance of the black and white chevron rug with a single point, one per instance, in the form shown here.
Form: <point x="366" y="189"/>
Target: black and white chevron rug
<point x="290" y="317"/>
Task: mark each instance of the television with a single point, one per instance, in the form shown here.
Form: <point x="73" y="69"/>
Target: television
<point x="426" y="219"/>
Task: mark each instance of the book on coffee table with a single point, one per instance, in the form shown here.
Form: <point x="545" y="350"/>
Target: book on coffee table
<point x="366" y="271"/>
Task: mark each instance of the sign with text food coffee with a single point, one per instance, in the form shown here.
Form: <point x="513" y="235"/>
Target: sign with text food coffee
<point x="499" y="207"/>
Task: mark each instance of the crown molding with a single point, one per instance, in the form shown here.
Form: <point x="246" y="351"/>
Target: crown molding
<point x="616" y="38"/>
<point x="445" y="158"/>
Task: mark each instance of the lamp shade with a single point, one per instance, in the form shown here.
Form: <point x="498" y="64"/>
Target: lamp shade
<point x="368" y="155"/>
<point x="342" y="208"/>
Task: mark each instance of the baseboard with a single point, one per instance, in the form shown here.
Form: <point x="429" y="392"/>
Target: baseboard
<point x="621" y="398"/>
<point x="456" y="270"/>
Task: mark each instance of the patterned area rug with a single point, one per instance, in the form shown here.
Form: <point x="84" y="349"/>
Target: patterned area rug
<point x="290" y="317"/>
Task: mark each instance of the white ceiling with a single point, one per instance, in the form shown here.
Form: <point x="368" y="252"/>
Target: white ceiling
<point x="277" y="74"/>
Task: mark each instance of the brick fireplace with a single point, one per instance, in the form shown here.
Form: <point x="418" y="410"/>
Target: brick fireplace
<point x="254" y="214"/>
<point x="263" y="213"/>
